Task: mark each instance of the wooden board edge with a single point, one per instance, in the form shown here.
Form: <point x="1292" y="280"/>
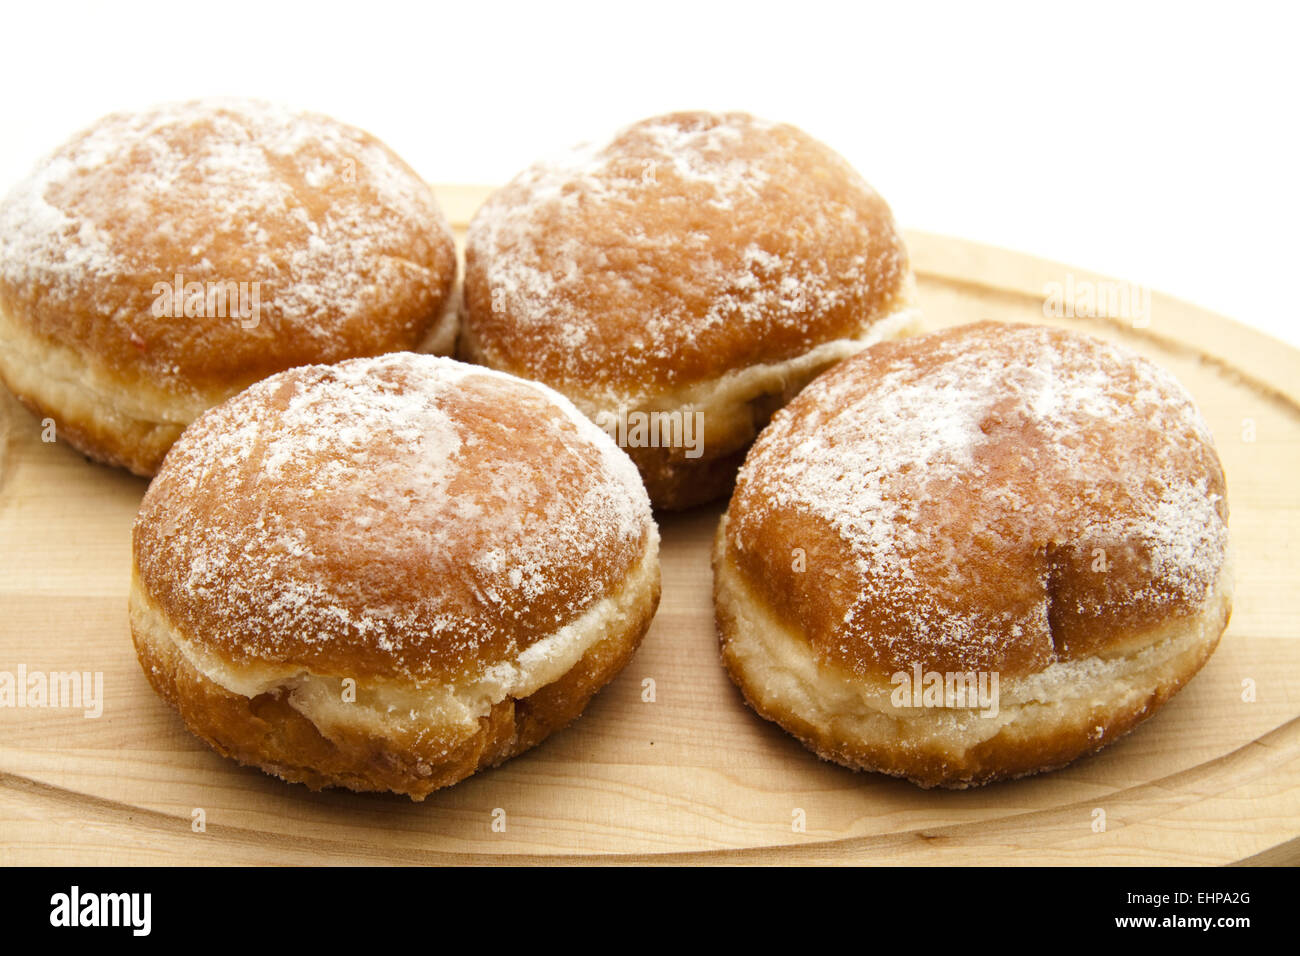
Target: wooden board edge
<point x="1265" y="774"/>
<point x="1254" y="356"/>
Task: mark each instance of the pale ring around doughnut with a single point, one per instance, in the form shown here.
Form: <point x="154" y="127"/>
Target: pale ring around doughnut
<point x="990" y="501"/>
<point x="389" y="573"/>
<point x="681" y="282"/>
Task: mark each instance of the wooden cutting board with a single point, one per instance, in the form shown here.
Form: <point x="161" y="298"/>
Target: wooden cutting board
<point x="692" y="776"/>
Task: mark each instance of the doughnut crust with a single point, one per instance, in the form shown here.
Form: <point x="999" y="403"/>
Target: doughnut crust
<point x="389" y="573"/>
<point x="1010" y="501"/>
<point x="696" y="263"/>
<point x="159" y="262"/>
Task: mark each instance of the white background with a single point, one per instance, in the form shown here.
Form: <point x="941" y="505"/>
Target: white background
<point x="1154" y="143"/>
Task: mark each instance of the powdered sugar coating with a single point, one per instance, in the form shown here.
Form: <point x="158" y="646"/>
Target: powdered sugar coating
<point x="347" y="247"/>
<point x="687" y="246"/>
<point x="989" y="497"/>
<point x="396" y="516"/>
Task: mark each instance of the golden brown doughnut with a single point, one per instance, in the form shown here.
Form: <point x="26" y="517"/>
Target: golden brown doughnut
<point x="389" y="573"/>
<point x="159" y="262"/>
<point x="990" y="501"/>
<point x="697" y="264"/>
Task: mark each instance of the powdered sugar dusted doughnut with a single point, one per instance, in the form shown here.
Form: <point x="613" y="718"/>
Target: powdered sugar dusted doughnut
<point x="159" y="262"/>
<point x="1028" y="517"/>
<point x="391" y="572"/>
<point x="699" y="265"/>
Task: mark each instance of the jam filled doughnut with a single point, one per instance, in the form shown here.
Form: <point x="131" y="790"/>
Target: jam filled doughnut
<point x="159" y="262"/>
<point x="389" y="573"/>
<point x="681" y="282"/>
<point x="975" y="554"/>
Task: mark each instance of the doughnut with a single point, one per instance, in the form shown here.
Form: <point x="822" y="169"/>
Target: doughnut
<point x="389" y="573"/>
<point x="159" y="262"/>
<point x="681" y="282"/>
<point x="975" y="554"/>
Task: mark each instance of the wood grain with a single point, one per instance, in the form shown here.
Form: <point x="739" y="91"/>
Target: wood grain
<point x="692" y="776"/>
